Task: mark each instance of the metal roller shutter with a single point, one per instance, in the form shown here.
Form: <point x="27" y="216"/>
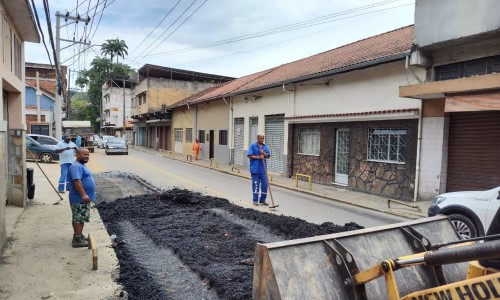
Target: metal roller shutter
<point x="275" y="127"/>
<point x="473" y="151"/>
<point x="238" y="135"/>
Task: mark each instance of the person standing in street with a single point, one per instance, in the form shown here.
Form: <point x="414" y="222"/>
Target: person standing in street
<point x="81" y="192"/>
<point x="258" y="153"/>
<point x="196" y="148"/>
<point x="78" y="141"/>
<point x="66" y="149"/>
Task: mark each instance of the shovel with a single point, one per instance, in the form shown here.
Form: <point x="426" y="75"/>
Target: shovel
<point x="60" y="198"/>
<point x="273" y="206"/>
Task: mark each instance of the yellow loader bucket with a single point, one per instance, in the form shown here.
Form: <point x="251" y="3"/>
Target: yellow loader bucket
<point x="309" y="268"/>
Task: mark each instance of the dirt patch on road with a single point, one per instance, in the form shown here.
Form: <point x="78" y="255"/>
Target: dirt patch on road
<point x="179" y="244"/>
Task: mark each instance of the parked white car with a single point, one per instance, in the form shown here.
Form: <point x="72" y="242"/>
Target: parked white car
<point x="470" y="212"/>
<point x="101" y="143"/>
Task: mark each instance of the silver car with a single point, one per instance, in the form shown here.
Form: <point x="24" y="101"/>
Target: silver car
<point x="116" y="145"/>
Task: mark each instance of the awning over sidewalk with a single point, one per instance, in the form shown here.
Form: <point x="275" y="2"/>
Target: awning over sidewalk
<point x="473" y="102"/>
<point x="440" y="89"/>
<point x="396" y="114"/>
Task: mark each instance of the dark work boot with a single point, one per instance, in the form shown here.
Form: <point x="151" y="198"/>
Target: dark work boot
<point x="84" y="237"/>
<point x="79" y="241"/>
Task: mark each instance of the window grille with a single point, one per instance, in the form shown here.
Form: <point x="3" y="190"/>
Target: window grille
<point x="387" y="145"/>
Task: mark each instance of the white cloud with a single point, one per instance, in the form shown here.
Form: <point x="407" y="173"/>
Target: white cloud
<point x="217" y="20"/>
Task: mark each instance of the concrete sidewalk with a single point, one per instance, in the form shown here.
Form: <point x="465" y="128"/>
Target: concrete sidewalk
<point x="359" y="199"/>
<point x="38" y="261"/>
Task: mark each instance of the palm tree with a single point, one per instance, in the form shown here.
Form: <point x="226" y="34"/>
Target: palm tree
<point x="114" y="47"/>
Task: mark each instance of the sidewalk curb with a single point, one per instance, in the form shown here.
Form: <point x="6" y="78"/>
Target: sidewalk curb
<point x="408" y="215"/>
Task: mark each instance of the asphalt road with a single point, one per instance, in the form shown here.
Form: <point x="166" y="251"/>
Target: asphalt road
<point x="165" y="173"/>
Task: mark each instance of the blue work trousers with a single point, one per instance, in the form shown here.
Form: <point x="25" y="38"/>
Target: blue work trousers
<point x="63" y="180"/>
<point x="259" y="183"/>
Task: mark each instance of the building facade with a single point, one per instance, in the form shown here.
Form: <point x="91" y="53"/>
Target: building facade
<point x="157" y="89"/>
<point x="460" y="93"/>
<point x="117" y="109"/>
<point x="17" y="26"/>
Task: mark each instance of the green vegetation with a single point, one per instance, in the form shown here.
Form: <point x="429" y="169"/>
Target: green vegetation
<point x="102" y="69"/>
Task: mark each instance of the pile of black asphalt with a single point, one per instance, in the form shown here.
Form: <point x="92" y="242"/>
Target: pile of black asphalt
<point x="179" y="244"/>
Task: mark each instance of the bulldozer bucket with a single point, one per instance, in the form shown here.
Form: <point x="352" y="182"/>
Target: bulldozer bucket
<point x="307" y="269"/>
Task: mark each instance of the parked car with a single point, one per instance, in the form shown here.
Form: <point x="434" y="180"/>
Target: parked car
<point x="44" y="139"/>
<point x="470" y="212"/>
<point x="116" y="145"/>
<point x="101" y="143"/>
<point x="44" y="153"/>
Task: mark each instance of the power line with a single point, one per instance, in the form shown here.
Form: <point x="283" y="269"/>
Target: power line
<point x="156" y="26"/>
<point x="147" y="48"/>
<point x="93" y="18"/>
<point x="77" y="5"/>
<point x="102" y="13"/>
<point x="41" y="31"/>
<point x="56" y="62"/>
<point x="177" y="27"/>
<point x="295" y="26"/>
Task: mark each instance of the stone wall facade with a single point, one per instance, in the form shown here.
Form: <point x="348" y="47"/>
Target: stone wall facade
<point x="380" y="178"/>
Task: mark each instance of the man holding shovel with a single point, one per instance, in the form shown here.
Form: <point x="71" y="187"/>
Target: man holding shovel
<point x="258" y="153"/>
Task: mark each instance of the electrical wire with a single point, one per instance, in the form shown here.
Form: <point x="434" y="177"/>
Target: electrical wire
<point x="56" y="62"/>
<point x="281" y="29"/>
<point x="92" y="20"/>
<point x="156" y="26"/>
<point x="77" y="5"/>
<point x="178" y="27"/>
<point x="147" y="48"/>
<point x="41" y="31"/>
<point x="102" y="13"/>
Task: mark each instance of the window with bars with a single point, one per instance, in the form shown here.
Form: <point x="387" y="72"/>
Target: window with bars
<point x="201" y="134"/>
<point x="309" y="141"/>
<point x="387" y="145"/>
<point x="222" y="137"/>
<point x="178" y="134"/>
<point x="189" y="135"/>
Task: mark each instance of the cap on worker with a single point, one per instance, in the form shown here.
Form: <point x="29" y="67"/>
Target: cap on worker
<point x="66" y="136"/>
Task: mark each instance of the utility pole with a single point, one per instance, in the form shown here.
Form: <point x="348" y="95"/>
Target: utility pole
<point x="68" y="104"/>
<point x="123" y="128"/>
<point x="58" y="104"/>
<point x="38" y="102"/>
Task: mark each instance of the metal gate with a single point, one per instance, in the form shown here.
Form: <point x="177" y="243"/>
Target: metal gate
<point x="473" y="151"/>
<point x="275" y="141"/>
<point x="141" y="136"/>
<point x="238" y="137"/>
<point x="342" y="156"/>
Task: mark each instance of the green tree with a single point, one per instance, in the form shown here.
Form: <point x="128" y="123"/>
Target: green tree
<point x="114" y="47"/>
<point x="100" y="71"/>
<point x="81" y="109"/>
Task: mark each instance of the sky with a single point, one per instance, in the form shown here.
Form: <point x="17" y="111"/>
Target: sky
<point x="224" y="37"/>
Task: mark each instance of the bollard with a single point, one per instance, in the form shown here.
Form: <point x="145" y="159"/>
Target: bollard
<point x="216" y="162"/>
<point x="189" y="158"/>
<point x="303" y="175"/>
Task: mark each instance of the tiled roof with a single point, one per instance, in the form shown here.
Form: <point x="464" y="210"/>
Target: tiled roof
<point x="221" y="90"/>
<point x="363" y="53"/>
<point x="48" y="86"/>
<point x="374" y="48"/>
